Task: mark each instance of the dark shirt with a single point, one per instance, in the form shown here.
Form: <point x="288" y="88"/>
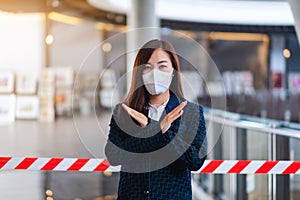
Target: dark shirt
<point x="157" y="166"/>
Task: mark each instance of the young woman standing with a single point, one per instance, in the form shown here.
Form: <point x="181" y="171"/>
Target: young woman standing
<point x="155" y="134"/>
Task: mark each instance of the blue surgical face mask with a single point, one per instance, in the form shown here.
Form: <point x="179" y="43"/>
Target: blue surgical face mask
<point x="157" y="82"/>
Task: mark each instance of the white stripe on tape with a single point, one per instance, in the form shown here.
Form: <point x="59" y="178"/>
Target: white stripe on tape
<point x="225" y="167"/>
<point x="65" y="164"/>
<point x="279" y="167"/>
<point x="13" y="162"/>
<point x="252" y="167"/>
<point x="38" y="164"/>
<point x="91" y="165"/>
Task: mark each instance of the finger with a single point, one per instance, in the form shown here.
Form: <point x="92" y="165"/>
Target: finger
<point x="131" y="110"/>
<point x="172" y="116"/>
<point x="182" y="105"/>
<point x="128" y="109"/>
<point x="171" y="119"/>
<point x="164" y="126"/>
<point x="178" y="109"/>
<point x="175" y="116"/>
<point x="166" y="123"/>
<point x="140" y="117"/>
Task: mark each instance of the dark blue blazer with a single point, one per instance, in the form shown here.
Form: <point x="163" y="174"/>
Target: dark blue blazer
<point x="154" y="165"/>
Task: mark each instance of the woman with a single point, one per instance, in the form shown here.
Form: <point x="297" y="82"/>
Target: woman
<point x="156" y="135"/>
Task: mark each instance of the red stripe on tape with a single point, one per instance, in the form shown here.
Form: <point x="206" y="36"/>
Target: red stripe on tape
<point x="102" y="166"/>
<point x="266" y="167"/>
<point x="26" y="163"/>
<point x="52" y="163"/>
<point x="3" y="161"/>
<point x="212" y="166"/>
<point x="239" y="166"/>
<point x="292" y="168"/>
<point x="80" y="162"/>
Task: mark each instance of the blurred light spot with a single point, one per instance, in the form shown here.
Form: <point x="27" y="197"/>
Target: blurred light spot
<point x="98" y="198"/>
<point x="107" y="173"/>
<point x="49" y="39"/>
<point x="55" y="3"/>
<point x="286" y="53"/>
<point x="106" y="47"/>
<point x="109" y="197"/>
<point x="49" y="193"/>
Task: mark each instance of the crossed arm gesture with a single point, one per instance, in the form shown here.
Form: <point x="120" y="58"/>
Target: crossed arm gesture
<point x="165" y="123"/>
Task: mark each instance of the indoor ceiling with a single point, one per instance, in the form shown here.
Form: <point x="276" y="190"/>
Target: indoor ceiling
<point x="254" y="12"/>
<point x="114" y="11"/>
<point x="78" y="8"/>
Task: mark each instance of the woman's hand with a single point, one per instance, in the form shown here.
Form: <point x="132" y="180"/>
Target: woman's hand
<point x="139" y="117"/>
<point x="172" y="116"/>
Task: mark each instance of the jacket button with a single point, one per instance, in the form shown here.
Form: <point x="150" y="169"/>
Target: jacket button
<point x="146" y="191"/>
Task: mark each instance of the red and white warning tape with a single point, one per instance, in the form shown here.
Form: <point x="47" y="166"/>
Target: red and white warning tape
<point x="56" y="164"/>
<point x="250" y="167"/>
<point x="102" y="165"/>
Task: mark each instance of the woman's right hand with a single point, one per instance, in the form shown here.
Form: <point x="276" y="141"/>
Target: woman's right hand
<point x="139" y="117"/>
<point x="172" y="116"/>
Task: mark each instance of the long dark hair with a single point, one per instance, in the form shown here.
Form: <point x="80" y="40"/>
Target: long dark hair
<point x="138" y="97"/>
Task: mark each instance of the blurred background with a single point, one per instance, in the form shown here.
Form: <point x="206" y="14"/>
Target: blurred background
<point x="64" y="65"/>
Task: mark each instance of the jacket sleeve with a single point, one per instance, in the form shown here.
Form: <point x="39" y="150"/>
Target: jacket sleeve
<point x="191" y="151"/>
<point x="122" y="147"/>
<point x="189" y="145"/>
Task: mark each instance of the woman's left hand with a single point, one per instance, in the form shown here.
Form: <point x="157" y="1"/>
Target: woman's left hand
<point x="172" y="116"/>
<point x="139" y="117"/>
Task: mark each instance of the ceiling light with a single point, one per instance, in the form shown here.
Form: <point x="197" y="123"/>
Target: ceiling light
<point x="49" y="39"/>
<point x="64" y="18"/>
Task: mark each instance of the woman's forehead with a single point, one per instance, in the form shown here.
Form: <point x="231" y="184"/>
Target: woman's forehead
<point x="159" y="55"/>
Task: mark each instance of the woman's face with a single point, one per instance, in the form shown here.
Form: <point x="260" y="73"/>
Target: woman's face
<point x="159" y="60"/>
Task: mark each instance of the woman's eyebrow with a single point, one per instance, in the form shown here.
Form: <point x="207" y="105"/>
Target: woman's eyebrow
<point x="162" y="61"/>
<point x="159" y="62"/>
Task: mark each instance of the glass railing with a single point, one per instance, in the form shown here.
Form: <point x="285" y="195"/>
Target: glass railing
<point x="250" y="138"/>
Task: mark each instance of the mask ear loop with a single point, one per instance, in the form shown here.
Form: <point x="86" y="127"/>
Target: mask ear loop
<point x="173" y="73"/>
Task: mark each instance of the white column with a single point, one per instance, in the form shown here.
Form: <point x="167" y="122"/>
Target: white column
<point x="277" y="60"/>
<point x="142" y="13"/>
<point x="295" y="6"/>
<point x="142" y="26"/>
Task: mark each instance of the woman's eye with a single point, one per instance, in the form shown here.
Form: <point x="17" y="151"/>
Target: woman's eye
<point x="162" y="66"/>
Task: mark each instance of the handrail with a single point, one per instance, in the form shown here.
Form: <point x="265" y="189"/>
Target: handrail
<point x="263" y="125"/>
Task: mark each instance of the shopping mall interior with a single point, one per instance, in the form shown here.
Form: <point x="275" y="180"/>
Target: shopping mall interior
<point x="65" y="64"/>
